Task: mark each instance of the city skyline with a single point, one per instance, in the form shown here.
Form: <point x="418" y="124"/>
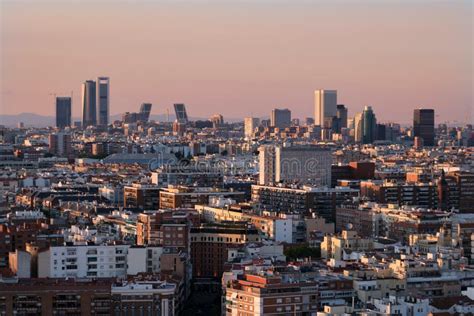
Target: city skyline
<point x="243" y="59"/>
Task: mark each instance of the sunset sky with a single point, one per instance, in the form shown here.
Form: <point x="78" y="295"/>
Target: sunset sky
<point x="242" y="57"/>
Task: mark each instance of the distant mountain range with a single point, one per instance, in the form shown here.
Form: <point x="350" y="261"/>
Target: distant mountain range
<point x="36" y="120"/>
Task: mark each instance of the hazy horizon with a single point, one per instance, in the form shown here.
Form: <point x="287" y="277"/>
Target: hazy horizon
<point x="241" y="58"/>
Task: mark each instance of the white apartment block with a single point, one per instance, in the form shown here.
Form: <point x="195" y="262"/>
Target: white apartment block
<point x="83" y="261"/>
<point x="144" y="259"/>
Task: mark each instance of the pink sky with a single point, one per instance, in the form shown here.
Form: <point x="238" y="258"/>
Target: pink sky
<point x="241" y="58"/>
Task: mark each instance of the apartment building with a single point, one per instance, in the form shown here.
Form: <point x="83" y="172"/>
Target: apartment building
<point x="270" y="295"/>
<point x="82" y="261"/>
<point x="146" y="197"/>
<point x="187" y="197"/>
<point x="322" y="201"/>
<point x="210" y="244"/>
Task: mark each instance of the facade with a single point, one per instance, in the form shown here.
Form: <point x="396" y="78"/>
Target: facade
<point x="165" y="228"/>
<point x="279" y="229"/>
<point x="145" y="110"/>
<point x="83" y="261"/>
<point x="146" y="197"/>
<point x="180" y="111"/>
<point x="390" y="221"/>
<point x="142" y="116"/>
<point x="188" y="197"/>
<point x="280" y="118"/>
<point x="423" y="125"/>
<point x="321" y="201"/>
<point x="335" y="247"/>
<point x="144" y="298"/>
<point x="103" y="101"/>
<point x="418" y="194"/>
<point x="369" y="123"/>
<point x="60" y="144"/>
<point x="250" y="123"/>
<point x="270" y="295"/>
<point x="144" y="259"/>
<point x="84" y="297"/>
<point x="295" y="164"/>
<point x="210" y="245"/>
<point x="63" y="112"/>
<point x="358" y="127"/>
<point x="187" y="175"/>
<point x="340" y="120"/>
<point x="89" y="108"/>
<point x="56" y="297"/>
<point x="325" y="107"/>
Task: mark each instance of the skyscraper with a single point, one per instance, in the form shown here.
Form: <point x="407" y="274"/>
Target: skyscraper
<point x="180" y="111"/>
<point x="89" y="113"/>
<point x="341" y="118"/>
<point x="145" y="110"/>
<point x="250" y="123"/>
<point x="63" y="112"/>
<point x="103" y="100"/>
<point x="280" y="118"/>
<point x="423" y="125"/>
<point x="325" y="106"/>
<point x="369" y="130"/>
<point x="365" y="126"/>
<point x="358" y="127"/>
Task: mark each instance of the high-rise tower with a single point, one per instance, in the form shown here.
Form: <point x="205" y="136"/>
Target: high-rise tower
<point x="103" y="100"/>
<point x="89" y="113"/>
<point x="325" y="106"/>
<point x="423" y="125"/>
<point x="63" y="112"/>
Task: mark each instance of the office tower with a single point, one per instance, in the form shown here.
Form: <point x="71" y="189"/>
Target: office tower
<point x="309" y="121"/>
<point x="180" y="111"/>
<point x="60" y="144"/>
<point x="63" y="112"/>
<point x="250" y="123"/>
<point x="365" y="126"/>
<point x="145" y="110"/>
<point x="369" y="130"/>
<point x="341" y="115"/>
<point x="89" y="115"/>
<point x="142" y="116"/>
<point x="381" y="132"/>
<point x="423" y="125"/>
<point x="358" y="126"/>
<point x="325" y="106"/>
<point x="280" y="118"/>
<point x="103" y="100"/>
<point x="295" y="164"/>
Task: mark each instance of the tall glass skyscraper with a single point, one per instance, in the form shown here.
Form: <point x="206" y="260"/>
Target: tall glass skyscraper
<point x="103" y="100"/>
<point x="89" y="113"/>
<point x="181" y="115"/>
<point x="369" y="125"/>
<point x="63" y="112"/>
